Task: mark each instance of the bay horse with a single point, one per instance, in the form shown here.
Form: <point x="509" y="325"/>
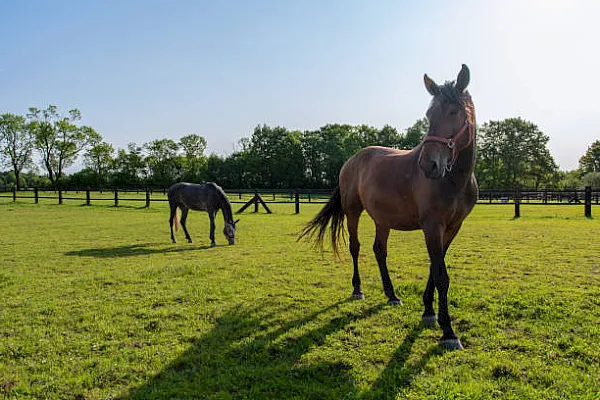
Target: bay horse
<point x="207" y="197"/>
<point x="431" y="187"/>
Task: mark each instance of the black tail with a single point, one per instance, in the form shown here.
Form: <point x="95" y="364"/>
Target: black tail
<point x="318" y="225"/>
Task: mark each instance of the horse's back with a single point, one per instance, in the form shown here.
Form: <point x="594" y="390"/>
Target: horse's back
<point x="373" y="162"/>
<point x="197" y="196"/>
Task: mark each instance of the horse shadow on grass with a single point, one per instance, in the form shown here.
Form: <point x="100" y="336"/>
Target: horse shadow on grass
<point x="252" y="354"/>
<point x="133" y="250"/>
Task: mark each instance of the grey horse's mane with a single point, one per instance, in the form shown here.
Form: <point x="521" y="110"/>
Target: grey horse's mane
<point x="225" y="203"/>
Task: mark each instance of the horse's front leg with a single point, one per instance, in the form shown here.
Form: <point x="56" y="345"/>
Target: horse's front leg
<point x="429" y="317"/>
<point x="184" y="214"/>
<point x="380" y="250"/>
<point x="211" y="217"/>
<point x="441" y="281"/>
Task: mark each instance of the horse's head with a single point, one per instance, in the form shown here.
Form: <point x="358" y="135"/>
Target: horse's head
<point x="450" y="125"/>
<point x="229" y="231"/>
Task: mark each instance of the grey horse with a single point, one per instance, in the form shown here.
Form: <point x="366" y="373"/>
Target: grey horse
<point x="207" y="197"/>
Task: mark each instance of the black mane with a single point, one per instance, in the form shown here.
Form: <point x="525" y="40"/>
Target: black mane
<point x="450" y="94"/>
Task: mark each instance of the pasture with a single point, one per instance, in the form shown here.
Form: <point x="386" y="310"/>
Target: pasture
<point x="98" y="304"/>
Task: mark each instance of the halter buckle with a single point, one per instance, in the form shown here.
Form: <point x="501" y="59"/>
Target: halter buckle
<point x="450" y="144"/>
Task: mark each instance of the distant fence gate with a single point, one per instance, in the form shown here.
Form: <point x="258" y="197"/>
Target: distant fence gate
<point x="582" y="197"/>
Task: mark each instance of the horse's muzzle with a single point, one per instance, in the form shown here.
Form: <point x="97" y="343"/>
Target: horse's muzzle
<point x="432" y="170"/>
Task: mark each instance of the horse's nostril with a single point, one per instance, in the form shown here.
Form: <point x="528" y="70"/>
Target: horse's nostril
<point x="432" y="166"/>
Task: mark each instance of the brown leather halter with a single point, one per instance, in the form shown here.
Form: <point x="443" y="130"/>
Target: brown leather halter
<point x="453" y="141"/>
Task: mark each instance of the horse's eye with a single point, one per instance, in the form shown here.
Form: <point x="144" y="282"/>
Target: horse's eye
<point x="454" y="112"/>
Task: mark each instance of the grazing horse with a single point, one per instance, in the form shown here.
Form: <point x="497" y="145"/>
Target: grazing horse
<point x="207" y="197"/>
<point x="431" y="187"/>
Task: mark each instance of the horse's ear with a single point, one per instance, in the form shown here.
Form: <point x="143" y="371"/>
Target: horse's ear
<point x="431" y="86"/>
<point x="236" y="221"/>
<point x="462" y="81"/>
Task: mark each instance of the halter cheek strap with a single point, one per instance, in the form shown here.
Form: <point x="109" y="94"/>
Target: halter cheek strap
<point x="453" y="141"/>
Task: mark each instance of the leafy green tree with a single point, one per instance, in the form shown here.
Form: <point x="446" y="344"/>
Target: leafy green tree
<point x="414" y="134"/>
<point x="326" y="149"/>
<point x="513" y="153"/>
<point x="592" y="179"/>
<point x="388" y="136"/>
<point x="87" y="177"/>
<point x="313" y="158"/>
<point x="335" y="150"/>
<point x="163" y="162"/>
<point x="129" y="167"/>
<point x="590" y="161"/>
<point x="58" y="138"/>
<point x="16" y="143"/>
<point x="193" y="146"/>
<point x="99" y="159"/>
<point x="9" y="179"/>
<point x="275" y="154"/>
<point x="570" y="179"/>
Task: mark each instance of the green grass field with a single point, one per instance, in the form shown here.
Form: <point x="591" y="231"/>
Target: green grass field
<point x="98" y="304"/>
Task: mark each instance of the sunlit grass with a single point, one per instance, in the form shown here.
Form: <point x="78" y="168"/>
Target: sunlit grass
<point x="97" y="303"/>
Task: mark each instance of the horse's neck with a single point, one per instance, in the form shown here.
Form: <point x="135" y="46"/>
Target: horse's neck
<point x="226" y="210"/>
<point x="465" y="165"/>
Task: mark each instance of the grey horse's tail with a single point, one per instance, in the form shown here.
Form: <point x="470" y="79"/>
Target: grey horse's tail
<point x="316" y="228"/>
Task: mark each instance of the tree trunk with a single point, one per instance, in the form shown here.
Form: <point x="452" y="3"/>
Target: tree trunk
<point x="17" y="174"/>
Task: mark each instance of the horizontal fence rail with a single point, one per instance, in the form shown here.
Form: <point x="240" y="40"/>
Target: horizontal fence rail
<point x="582" y="197"/>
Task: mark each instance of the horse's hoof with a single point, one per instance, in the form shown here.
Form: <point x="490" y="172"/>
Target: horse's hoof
<point x="452" y="344"/>
<point x="429" y="321"/>
<point x="174" y="241"/>
<point x="213" y="244"/>
<point x="395" y="302"/>
<point x="358" y="296"/>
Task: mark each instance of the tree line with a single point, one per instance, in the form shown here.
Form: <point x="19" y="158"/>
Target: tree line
<point x="39" y="146"/>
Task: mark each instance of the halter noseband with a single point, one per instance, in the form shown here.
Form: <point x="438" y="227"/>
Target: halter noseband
<point x="452" y="142"/>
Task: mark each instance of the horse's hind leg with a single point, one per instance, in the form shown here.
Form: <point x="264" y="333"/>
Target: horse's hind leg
<point x="380" y="250"/>
<point x="184" y="214"/>
<point x="172" y="220"/>
<point x="352" y="221"/>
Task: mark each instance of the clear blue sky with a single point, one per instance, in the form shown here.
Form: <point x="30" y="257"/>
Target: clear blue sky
<point x="143" y="70"/>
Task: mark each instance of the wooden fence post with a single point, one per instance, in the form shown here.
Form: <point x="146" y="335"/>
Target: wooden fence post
<point x="588" y="202"/>
<point x="297" y="201"/>
<point x="87" y="197"/>
<point x="517" y="204"/>
<point x="116" y="197"/>
<point x="147" y="198"/>
<point x="36" y="195"/>
<point x="60" y="199"/>
<point x="256" y="202"/>
<point x="14" y="193"/>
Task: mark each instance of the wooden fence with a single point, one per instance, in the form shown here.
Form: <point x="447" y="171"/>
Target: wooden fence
<point x="585" y="197"/>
